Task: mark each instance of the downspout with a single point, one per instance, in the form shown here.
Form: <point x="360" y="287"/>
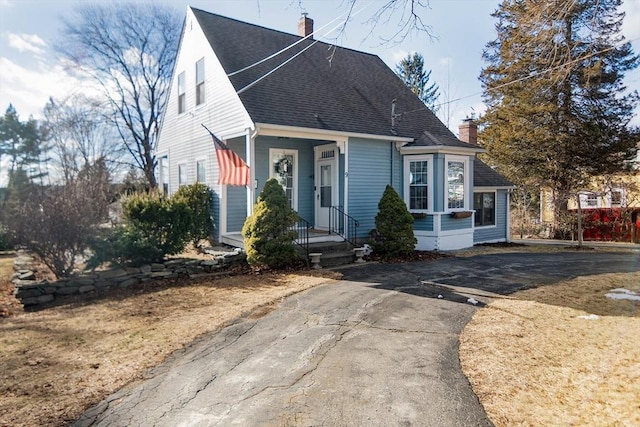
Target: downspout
<point x="508" y="230"/>
<point x="391" y="163"/>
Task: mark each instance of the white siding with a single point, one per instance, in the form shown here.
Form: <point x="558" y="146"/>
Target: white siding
<point x="182" y="138"/>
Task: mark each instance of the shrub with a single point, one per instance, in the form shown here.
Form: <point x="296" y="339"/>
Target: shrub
<point x="153" y="226"/>
<point x="58" y="222"/>
<point x="268" y="236"/>
<point x="200" y="199"/>
<point x="394" y="226"/>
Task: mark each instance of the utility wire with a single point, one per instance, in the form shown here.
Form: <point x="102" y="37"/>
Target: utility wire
<point x="530" y="76"/>
<point x="253" y="83"/>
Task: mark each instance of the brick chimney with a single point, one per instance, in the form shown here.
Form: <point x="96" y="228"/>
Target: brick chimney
<point x="305" y="25"/>
<point x="468" y="131"/>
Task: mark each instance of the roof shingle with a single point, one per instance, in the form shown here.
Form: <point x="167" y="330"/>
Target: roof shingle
<point x="325" y="87"/>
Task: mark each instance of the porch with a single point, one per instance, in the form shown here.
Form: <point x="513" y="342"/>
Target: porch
<point x="315" y="236"/>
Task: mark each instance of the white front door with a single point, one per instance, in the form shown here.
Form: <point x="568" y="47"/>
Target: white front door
<point x="326" y="183"/>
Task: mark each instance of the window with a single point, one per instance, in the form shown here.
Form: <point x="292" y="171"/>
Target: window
<point x="181" y="94"/>
<point x="419" y="185"/>
<point x="418" y="179"/>
<point x="201" y="171"/>
<point x="182" y="175"/>
<point x="200" y="82"/>
<point x="616" y="198"/>
<point x="455" y="184"/>
<point x="592" y="200"/>
<point x="164" y="175"/>
<point x="485" y="207"/>
<point x="284" y="170"/>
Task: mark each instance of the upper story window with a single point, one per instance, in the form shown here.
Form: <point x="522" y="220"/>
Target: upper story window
<point x="592" y="200"/>
<point x="417" y="182"/>
<point x="200" y="82"/>
<point x="456" y="183"/>
<point x="181" y="94"/>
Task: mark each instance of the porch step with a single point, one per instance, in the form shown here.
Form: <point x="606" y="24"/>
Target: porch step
<point x="333" y="253"/>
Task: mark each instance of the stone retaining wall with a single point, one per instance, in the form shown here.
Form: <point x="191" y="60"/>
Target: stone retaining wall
<point x="29" y="291"/>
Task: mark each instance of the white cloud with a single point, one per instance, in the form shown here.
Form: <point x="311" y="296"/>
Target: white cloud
<point x="27" y="43"/>
<point x="399" y="55"/>
<point x="6" y="3"/>
<point x="29" y="89"/>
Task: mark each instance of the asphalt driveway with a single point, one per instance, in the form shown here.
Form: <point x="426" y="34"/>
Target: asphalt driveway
<point x="379" y="348"/>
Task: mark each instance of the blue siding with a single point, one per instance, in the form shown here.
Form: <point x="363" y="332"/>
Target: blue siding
<point x="236" y="196"/>
<point x="369" y="174"/>
<point x="397" y="173"/>
<point x="449" y="224"/>
<point x="499" y="232"/>
<point x="306" y="165"/>
<point x="423" y="224"/>
<point x="438" y="183"/>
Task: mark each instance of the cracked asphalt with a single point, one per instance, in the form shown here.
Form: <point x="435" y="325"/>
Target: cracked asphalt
<point x="379" y="348"/>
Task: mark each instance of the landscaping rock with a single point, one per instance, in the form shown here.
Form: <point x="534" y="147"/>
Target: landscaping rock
<point x="67" y="291"/>
<point x="85" y="289"/>
<point x="128" y="282"/>
<point x="111" y="274"/>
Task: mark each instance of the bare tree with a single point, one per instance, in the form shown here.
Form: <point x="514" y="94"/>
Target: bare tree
<point x="129" y="49"/>
<point x="81" y="136"/>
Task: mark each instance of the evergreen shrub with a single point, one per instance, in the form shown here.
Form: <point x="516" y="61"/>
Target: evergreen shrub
<point x="200" y="199"/>
<point x="394" y="226"/>
<point x="268" y="234"/>
<point x="153" y="226"/>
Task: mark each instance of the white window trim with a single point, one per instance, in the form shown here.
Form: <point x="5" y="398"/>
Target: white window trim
<point x="430" y="189"/>
<point x="467" y="195"/>
<point x="186" y="173"/>
<point x="184" y="92"/>
<point x="495" y="210"/>
<point x="203" y="160"/>
<point x="204" y="83"/>
<point x="159" y="156"/>
<point x="285" y="151"/>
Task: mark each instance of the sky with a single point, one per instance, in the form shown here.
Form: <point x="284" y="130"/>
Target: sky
<point x="30" y="73"/>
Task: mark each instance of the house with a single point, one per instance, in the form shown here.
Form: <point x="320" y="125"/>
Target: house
<point x="333" y="125"/>
<point x="610" y="206"/>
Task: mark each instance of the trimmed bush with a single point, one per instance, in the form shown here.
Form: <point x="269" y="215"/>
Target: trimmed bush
<point x="200" y="199"/>
<point x="154" y="226"/>
<point x="268" y="237"/>
<point x="394" y="226"/>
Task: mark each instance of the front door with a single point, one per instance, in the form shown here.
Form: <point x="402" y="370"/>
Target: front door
<point x="326" y="183"/>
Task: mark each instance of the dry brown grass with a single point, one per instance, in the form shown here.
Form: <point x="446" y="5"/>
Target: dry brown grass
<point x="57" y="362"/>
<point x="533" y="361"/>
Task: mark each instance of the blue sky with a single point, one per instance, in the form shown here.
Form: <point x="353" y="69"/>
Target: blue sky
<point x="29" y="73"/>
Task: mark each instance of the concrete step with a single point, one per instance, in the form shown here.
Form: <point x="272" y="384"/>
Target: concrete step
<point x="333" y="253"/>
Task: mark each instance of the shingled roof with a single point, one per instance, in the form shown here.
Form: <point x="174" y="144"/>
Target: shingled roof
<point x="324" y="87"/>
<point x="485" y="176"/>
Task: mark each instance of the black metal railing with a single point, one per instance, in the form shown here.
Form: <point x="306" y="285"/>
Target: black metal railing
<point x="302" y="227"/>
<point x="344" y="225"/>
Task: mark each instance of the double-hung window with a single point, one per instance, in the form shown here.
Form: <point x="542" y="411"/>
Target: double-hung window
<point x="181" y="94"/>
<point x="201" y="171"/>
<point x="200" y="82"/>
<point x="182" y="175"/>
<point x="485" y="207"/>
<point x="417" y="182"/>
<point x="456" y="183"/>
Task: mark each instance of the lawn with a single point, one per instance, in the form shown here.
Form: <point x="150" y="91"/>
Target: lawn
<point x="58" y="362"/>
<point x="564" y="354"/>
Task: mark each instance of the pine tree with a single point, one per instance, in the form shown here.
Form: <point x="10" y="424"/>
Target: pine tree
<point x="558" y="111"/>
<point x="411" y="71"/>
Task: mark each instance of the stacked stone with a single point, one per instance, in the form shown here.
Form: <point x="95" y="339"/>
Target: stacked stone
<point x="33" y="292"/>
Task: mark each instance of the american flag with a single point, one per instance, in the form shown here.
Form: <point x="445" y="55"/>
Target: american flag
<point x="232" y="169"/>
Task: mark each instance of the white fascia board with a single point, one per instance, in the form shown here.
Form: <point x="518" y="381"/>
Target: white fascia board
<point x="266" y="129"/>
<point x="440" y="149"/>
<point x="504" y="187"/>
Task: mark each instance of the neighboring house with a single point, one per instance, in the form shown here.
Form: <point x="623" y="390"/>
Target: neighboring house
<point x="610" y="206"/>
<point x="333" y="125"/>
